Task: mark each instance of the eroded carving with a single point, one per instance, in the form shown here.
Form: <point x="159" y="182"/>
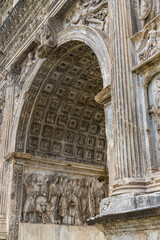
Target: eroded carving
<point x="27" y="68"/>
<point x="144" y="9"/>
<point x="93" y="13"/>
<point x="29" y="206"/>
<point x="47" y="40"/>
<point x="150" y="43"/>
<point x="61" y="199"/>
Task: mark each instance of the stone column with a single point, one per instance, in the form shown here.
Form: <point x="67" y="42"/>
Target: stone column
<point x="129" y="168"/>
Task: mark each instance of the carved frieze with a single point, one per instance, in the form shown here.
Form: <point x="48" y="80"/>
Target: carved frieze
<point x="61" y="198"/>
<point x="92" y="13"/>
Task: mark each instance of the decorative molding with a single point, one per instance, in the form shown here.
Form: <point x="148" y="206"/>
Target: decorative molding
<point x="104" y="96"/>
<point x="50" y="163"/>
<point x="15" y="201"/>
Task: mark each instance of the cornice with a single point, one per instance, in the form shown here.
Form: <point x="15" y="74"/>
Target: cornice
<point x="34" y="161"/>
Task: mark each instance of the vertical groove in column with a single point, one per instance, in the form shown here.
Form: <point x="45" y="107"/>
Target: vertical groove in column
<point x="116" y="99"/>
<point x="123" y="90"/>
<point x="128" y="161"/>
<point x="136" y="167"/>
<point x="133" y="115"/>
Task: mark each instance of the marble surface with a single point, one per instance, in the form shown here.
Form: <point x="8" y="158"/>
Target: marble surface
<point x="58" y="232"/>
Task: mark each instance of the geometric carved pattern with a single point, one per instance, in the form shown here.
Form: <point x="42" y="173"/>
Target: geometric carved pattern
<point x="66" y="122"/>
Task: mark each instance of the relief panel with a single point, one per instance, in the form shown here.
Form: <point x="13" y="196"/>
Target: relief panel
<point x="61" y="199"/>
<point x="90" y="13"/>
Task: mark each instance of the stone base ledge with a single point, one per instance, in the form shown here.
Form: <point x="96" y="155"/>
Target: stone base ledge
<point x="3" y="236"/>
<point x="127" y="207"/>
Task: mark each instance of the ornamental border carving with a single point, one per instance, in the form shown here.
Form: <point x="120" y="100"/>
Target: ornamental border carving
<point x="15" y="201"/>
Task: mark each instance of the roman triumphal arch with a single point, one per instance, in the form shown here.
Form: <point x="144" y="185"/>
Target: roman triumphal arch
<point x="79" y="119"/>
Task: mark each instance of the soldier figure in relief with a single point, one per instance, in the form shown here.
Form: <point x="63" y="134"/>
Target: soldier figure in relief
<point x="30" y="202"/>
<point x="63" y="200"/>
<point x="54" y="194"/>
<point x="41" y="200"/>
<point x="85" y="200"/>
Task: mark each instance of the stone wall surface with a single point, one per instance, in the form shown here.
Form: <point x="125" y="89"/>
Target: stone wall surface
<point x="56" y="232"/>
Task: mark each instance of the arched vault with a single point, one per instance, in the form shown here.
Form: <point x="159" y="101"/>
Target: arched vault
<point x="59" y="116"/>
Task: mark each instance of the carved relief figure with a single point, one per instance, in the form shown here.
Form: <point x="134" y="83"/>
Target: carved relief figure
<point x="53" y="200"/>
<point x="61" y="199"/>
<point x="93" y="13"/>
<point x="85" y="201"/>
<point x="27" y="68"/>
<point x="29" y="205"/>
<point x="73" y="209"/>
<point x="144" y="9"/>
<point x="149" y="43"/>
<point x="41" y="200"/>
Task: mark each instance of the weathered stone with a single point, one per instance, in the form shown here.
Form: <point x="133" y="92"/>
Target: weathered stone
<point x="79" y="119"/>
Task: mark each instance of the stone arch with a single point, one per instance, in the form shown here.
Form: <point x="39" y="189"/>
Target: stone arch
<point x="87" y="40"/>
<point x="96" y="40"/>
